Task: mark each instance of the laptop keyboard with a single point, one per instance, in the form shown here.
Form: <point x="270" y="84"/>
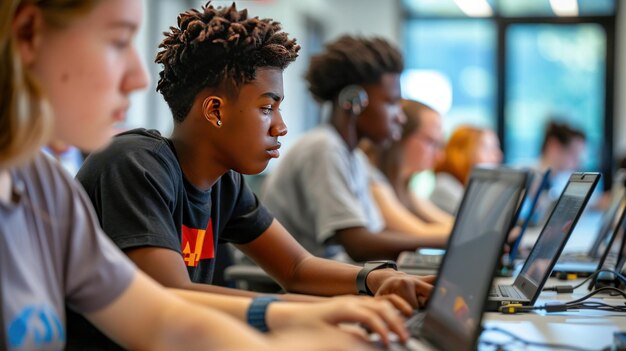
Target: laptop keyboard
<point x="421" y="260"/>
<point x="414" y="323"/>
<point x="504" y="291"/>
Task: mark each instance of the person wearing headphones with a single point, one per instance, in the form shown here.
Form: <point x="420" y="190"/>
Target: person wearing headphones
<point x="168" y="202"/>
<point x="320" y="190"/>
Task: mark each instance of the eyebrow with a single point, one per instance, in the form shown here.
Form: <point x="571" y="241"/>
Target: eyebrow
<point x="273" y="96"/>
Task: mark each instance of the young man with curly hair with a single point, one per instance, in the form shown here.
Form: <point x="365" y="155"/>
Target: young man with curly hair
<point x="168" y="202"/>
<point x="320" y="189"/>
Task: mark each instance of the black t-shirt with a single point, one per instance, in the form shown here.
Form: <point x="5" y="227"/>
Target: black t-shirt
<point x="143" y="199"/>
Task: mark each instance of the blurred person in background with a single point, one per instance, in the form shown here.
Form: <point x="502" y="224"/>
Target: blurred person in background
<point x="467" y="147"/>
<point x="393" y="166"/>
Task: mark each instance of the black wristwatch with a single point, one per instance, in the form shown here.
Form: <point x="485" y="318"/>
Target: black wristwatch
<point x="370" y="266"/>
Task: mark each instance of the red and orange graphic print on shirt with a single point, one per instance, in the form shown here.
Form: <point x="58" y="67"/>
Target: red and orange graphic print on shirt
<point x="197" y="244"/>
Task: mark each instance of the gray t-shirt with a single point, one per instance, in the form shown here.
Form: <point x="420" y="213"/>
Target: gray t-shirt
<point x="448" y="192"/>
<point x="319" y="187"/>
<point x="52" y="253"/>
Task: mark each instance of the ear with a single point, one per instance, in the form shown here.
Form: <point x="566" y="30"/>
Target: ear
<point x="27" y="30"/>
<point x="211" y="110"/>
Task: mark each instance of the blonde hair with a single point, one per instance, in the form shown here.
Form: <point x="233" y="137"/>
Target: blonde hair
<point x="459" y="152"/>
<point x="26" y="118"/>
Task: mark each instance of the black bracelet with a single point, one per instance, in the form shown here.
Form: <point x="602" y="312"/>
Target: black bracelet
<point x="361" y="277"/>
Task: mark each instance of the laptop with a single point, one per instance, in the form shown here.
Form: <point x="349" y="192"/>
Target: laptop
<point x="529" y="212"/>
<point x="613" y="258"/>
<point x="557" y="229"/>
<point x="587" y="264"/>
<point x="607" y="224"/>
<point x="426" y="261"/>
<point x="453" y="315"/>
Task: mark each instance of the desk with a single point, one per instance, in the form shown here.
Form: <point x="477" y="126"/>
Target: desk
<point x="585" y="329"/>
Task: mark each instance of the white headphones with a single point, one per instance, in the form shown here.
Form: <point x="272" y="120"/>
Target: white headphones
<point x="353" y="98"/>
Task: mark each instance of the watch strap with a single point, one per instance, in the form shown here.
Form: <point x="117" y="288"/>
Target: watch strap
<point x="258" y="310"/>
<point x="361" y="277"/>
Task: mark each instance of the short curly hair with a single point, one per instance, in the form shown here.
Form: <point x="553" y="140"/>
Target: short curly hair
<point x="217" y="46"/>
<point x="351" y="60"/>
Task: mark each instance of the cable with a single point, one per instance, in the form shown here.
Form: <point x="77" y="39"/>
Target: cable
<point x="501" y="346"/>
<point x="569" y="289"/>
<point x="597" y="291"/>
<point x="577" y="304"/>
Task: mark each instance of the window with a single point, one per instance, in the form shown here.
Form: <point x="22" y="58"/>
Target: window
<point x="554" y="71"/>
<point x="510" y="65"/>
<point x="450" y="65"/>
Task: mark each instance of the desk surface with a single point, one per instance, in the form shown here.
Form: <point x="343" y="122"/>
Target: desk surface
<point x="583" y="329"/>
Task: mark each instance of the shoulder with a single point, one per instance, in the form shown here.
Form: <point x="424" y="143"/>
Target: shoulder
<point x="46" y="184"/>
<point x="43" y="171"/>
<point x="137" y="149"/>
<point x="138" y="142"/>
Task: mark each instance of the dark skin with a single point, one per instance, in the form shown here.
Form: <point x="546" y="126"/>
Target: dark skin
<point x="380" y="122"/>
<point x="245" y="139"/>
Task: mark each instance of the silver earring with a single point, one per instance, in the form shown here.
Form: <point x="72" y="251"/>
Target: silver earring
<point x="219" y="123"/>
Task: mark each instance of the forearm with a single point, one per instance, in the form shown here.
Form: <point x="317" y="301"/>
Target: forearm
<point x="237" y="306"/>
<point x="401" y="220"/>
<point x="219" y="290"/>
<point x="436" y="233"/>
<point x="365" y="246"/>
<point x="194" y="333"/>
<point x="318" y="276"/>
<point x="430" y="212"/>
<point x="160" y="320"/>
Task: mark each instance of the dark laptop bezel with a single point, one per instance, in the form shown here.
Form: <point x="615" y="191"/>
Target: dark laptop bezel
<point x="621" y="258"/>
<point x="433" y="326"/>
<point x="605" y="230"/>
<point x="620" y="255"/>
<point x="522" y="283"/>
<point x="609" y="231"/>
<point x="533" y="206"/>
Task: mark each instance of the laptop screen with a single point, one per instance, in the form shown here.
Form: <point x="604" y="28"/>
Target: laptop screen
<point x="555" y="233"/>
<point x="613" y="256"/>
<point x="607" y="227"/>
<point x="455" y="308"/>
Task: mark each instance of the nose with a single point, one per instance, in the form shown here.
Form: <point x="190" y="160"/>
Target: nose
<point x="136" y="76"/>
<point x="278" y="128"/>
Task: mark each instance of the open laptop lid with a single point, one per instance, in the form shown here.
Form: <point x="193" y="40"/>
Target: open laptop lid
<point x="543" y="185"/>
<point x="613" y="251"/>
<point x="454" y="311"/>
<point x="555" y="233"/>
<point x="608" y="219"/>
